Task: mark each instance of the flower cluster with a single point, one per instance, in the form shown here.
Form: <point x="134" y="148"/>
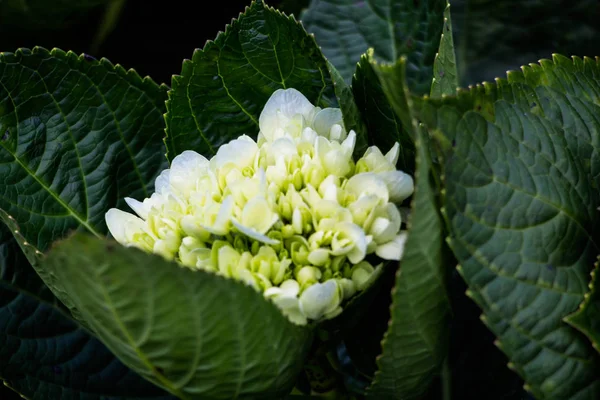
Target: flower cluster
<point x="291" y="214"/>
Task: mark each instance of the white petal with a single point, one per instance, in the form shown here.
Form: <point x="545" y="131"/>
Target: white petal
<point x="221" y="224"/>
<point x="319" y="299"/>
<point x="368" y="183"/>
<point x="285" y="103"/>
<point x="251" y="233"/>
<point x="349" y="143"/>
<point x="394" y="249"/>
<point x="393" y="154"/>
<point x="162" y="183"/>
<point x="186" y="169"/>
<point x="120" y="223"/>
<point x="399" y="184"/>
<point x="138" y="207"/>
<point x="326" y="119"/>
<point x="240" y="151"/>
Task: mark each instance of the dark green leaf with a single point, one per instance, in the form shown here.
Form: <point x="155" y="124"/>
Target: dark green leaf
<point x="222" y="90"/>
<point x="44" y="354"/>
<point x="587" y="317"/>
<point x="345" y="29"/>
<point x="520" y="160"/>
<point x="416" y="341"/>
<point x="445" y="76"/>
<point x="194" y="333"/>
<point x="78" y="135"/>
<point x="385" y="124"/>
<point x="352" y="116"/>
<point x="495" y="36"/>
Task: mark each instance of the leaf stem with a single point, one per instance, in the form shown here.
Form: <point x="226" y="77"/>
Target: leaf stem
<point x="446" y="380"/>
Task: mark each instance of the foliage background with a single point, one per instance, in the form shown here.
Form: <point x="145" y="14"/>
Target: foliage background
<point x="491" y="37"/>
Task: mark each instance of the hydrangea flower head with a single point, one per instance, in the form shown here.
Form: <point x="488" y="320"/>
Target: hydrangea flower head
<point x="290" y="214"/>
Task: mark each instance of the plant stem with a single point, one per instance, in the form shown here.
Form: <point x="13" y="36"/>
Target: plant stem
<point x="446" y="380"/>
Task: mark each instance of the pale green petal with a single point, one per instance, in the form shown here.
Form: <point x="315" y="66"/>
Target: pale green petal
<point x="393" y="250"/>
<point x="122" y="225"/>
<point x="368" y="183"/>
<point x="399" y="184"/>
<point x="326" y="119"/>
<point x="283" y="105"/>
<point x="138" y="207"/>
<point x="393" y="154"/>
<point x="251" y="233"/>
<point x="320" y="299"/>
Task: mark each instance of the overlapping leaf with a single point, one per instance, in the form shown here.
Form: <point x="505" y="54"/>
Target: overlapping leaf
<point x="345" y="29"/>
<point x="587" y="318"/>
<point x="44" y="354"/>
<point x="384" y="126"/>
<point x="194" y="333"/>
<point x="521" y="164"/>
<point x="223" y="88"/>
<point x="415" y="343"/>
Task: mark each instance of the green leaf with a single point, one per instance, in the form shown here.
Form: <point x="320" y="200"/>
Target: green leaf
<point x="193" y="333"/>
<point x="416" y="341"/>
<point x="350" y="112"/>
<point x="38" y="14"/>
<point x="384" y="125"/>
<point x="345" y="29"/>
<point x="587" y="318"/>
<point x="78" y="135"/>
<point x="222" y="90"/>
<point x="520" y="162"/>
<point x="445" y="76"/>
<point x="44" y="354"/>
<point x="495" y="36"/>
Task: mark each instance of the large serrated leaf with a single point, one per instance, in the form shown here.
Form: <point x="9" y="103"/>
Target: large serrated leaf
<point x="194" y="333"/>
<point x="416" y="341"/>
<point x="44" y="353"/>
<point x="223" y="88"/>
<point x="587" y="318"/>
<point x="78" y="135"/>
<point x="345" y="29"/>
<point x="521" y="162"/>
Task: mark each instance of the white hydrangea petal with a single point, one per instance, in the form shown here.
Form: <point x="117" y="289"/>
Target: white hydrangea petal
<point x="319" y="299"/>
<point x="162" y="183"/>
<point x="121" y="224"/>
<point x="368" y="183"/>
<point x="349" y="143"/>
<point x="400" y="185"/>
<point x="257" y="215"/>
<point x="241" y="152"/>
<point x="220" y="226"/>
<point x="393" y="250"/>
<point x="251" y="233"/>
<point x="353" y="232"/>
<point x="326" y="119"/>
<point x="290" y="307"/>
<point x="285" y="147"/>
<point x="283" y="104"/>
<point x="393" y="154"/>
<point x="141" y="209"/>
<point x="186" y="169"/>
